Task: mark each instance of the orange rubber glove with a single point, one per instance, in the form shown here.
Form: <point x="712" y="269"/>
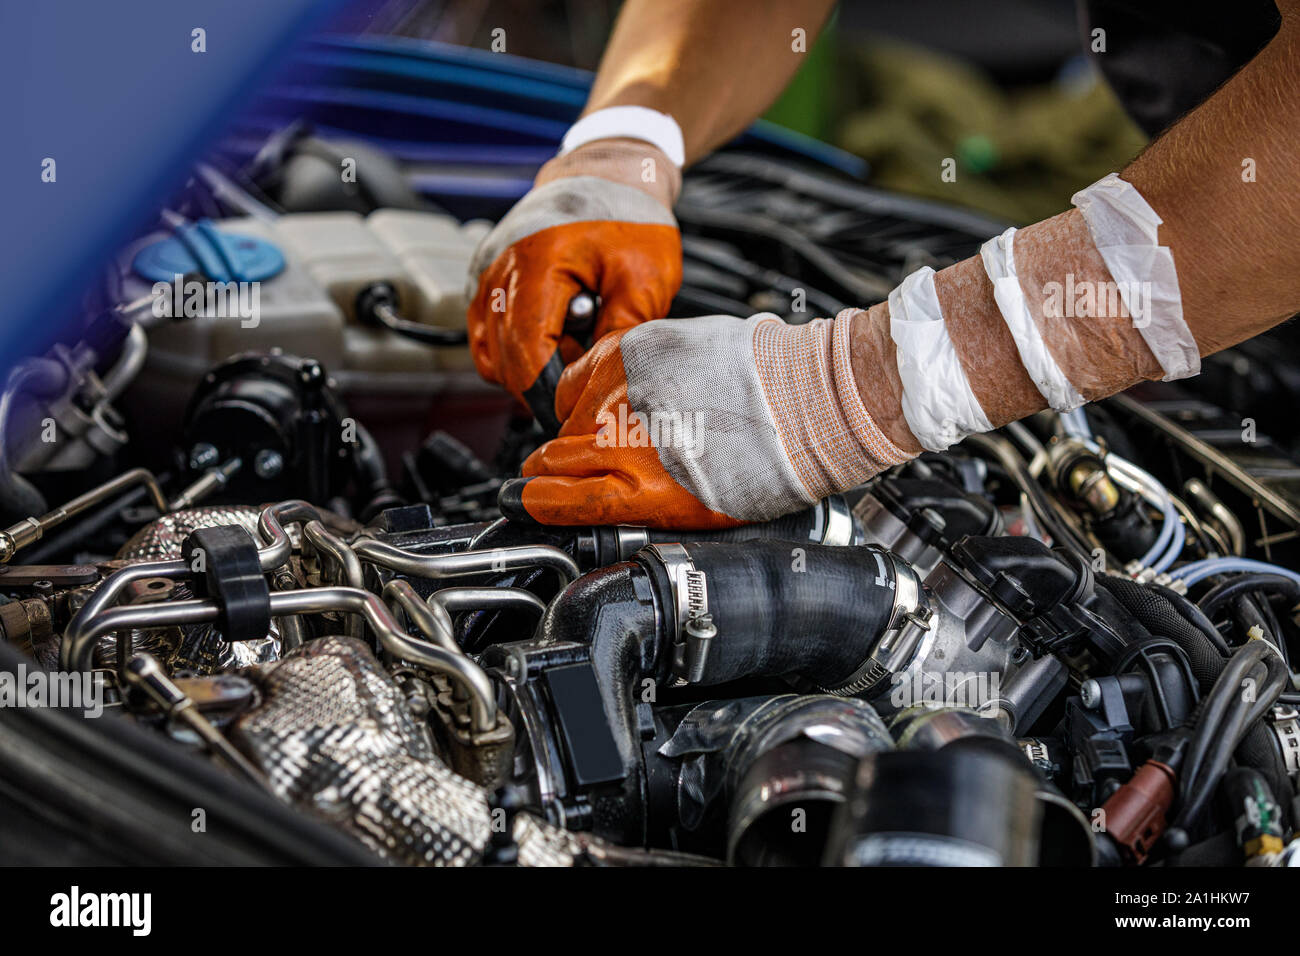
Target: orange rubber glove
<point x="704" y="423"/>
<point x="598" y="220"/>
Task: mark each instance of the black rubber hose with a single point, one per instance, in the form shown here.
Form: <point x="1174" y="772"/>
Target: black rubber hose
<point x="1272" y="625"/>
<point x="376" y="491"/>
<point x="1158" y="615"/>
<point x="782" y="609"/>
<point x="1253" y="610"/>
<point x="1221" y="594"/>
<point x="1225" y="719"/>
<point x="1013" y="463"/>
<point x="1194" y="616"/>
<point x="785" y="609"/>
<point x="1247" y="614"/>
<point x="1213" y="765"/>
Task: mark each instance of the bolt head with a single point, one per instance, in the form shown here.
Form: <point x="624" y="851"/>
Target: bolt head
<point x="1090" y="694"/>
<point x="203" y="455"/>
<point x="268" y="463"/>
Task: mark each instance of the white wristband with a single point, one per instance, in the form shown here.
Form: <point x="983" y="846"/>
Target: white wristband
<point x="631" y="122"/>
<point x="938" y="403"/>
<point x="1123" y="227"/>
<point x="1000" y="265"/>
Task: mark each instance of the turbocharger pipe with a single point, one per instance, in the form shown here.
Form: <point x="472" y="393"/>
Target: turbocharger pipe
<point x="721" y="612"/>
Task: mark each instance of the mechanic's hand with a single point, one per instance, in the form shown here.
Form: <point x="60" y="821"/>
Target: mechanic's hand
<point x="703" y="423"/>
<point x="598" y="220"/>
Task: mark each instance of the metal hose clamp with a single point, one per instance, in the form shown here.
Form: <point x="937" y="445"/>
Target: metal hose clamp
<point x="835" y="524"/>
<point x="909" y="620"/>
<point x="693" y="626"/>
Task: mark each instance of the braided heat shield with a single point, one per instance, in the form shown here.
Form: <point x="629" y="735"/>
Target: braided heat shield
<point x="334" y="735"/>
<point x="161" y="540"/>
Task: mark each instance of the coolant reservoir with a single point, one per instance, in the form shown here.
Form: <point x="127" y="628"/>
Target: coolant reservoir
<point x="308" y="307"/>
<point x="294" y="313"/>
<point x="343" y="254"/>
<point x="434" y="252"/>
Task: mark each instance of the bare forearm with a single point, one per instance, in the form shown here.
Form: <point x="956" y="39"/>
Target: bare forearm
<point x="1234" y="243"/>
<point x="713" y="65"/>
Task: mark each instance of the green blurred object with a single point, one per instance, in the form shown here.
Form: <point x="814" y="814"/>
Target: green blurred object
<point x="1019" y="155"/>
<point x="977" y="153"/>
<point x="809" y="104"/>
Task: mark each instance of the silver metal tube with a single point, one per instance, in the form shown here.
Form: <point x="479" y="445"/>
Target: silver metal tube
<point x="81" y="648"/>
<point x="454" y="600"/>
<point x="1200" y="492"/>
<point x="127" y="367"/>
<point x="32" y="529"/>
<point x="434" y="625"/>
<point x="457" y="666"/>
<point x="332" y="546"/>
<point x="483" y="708"/>
<point x="466" y="562"/>
<point x="109" y="489"/>
<point x="332" y="551"/>
<point x="79" y="636"/>
<point x="270" y="525"/>
<point x="292" y="630"/>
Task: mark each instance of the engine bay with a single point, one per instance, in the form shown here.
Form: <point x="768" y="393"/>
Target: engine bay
<point x="266" y="524"/>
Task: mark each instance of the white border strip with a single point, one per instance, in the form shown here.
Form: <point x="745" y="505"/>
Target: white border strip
<point x="1051" y="381"/>
<point x="938" y="403"/>
<point x="1123" y="227"/>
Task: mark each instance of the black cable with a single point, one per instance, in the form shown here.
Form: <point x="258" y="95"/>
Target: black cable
<point x="1010" y="459"/>
<point x="1226" y="717"/>
<point x="377" y="306"/>
<point x="83" y="530"/>
<point x="1194" y="616"/>
<point x="1246" y="613"/>
<point x="1273" y="626"/>
<point x="1253" y="611"/>
<point x="1213" y="709"/>
<point x="1154" y="611"/>
<point x="1219" y="595"/>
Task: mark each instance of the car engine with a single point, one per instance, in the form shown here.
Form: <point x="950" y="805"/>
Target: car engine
<point x="270" y="537"/>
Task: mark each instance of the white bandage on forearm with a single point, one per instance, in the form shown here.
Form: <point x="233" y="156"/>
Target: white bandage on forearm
<point x="938" y="403"/>
<point x="629" y="122"/>
<point x="1124" y="229"/>
<point x="1000" y="265"/>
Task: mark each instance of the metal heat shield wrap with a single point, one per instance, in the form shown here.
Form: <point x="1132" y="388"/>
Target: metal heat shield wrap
<point x="202" y="649"/>
<point x="334" y="735"/>
<point x="161" y="540"/>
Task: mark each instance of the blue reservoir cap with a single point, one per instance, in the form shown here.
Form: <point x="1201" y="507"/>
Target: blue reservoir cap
<point x="203" y="248"/>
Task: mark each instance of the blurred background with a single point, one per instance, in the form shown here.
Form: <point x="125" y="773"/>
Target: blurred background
<point x="903" y="84"/>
